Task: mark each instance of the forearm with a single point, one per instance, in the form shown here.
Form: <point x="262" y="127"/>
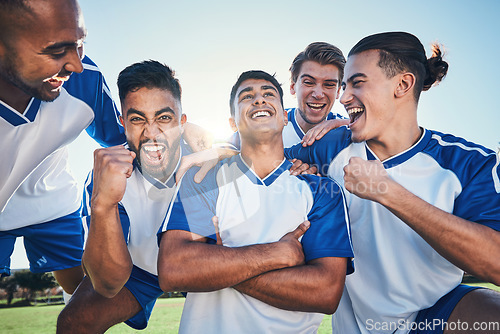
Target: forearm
<point x="473" y="247"/>
<point x="200" y="267"/>
<point x="106" y="258"/>
<point x="314" y="287"/>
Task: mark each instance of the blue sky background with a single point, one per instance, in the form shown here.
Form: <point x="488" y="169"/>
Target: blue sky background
<point x="209" y="43"/>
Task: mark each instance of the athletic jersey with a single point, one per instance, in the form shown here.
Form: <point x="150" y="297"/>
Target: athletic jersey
<point x="36" y="185"/>
<point x="251" y="211"/>
<point x="397" y="272"/>
<point x="142" y="210"/>
<point x="292" y="132"/>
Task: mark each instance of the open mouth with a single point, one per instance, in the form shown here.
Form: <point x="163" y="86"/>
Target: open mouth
<point x="317" y="107"/>
<point x="261" y="113"/>
<point x="153" y="154"/>
<point x="57" y="82"/>
<point x="354" y="114"/>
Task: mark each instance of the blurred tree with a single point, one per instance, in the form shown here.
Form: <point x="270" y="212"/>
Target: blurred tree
<point x="34" y="282"/>
<point x="9" y="284"/>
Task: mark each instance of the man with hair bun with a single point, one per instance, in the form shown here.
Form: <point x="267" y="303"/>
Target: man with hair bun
<point x="424" y="206"/>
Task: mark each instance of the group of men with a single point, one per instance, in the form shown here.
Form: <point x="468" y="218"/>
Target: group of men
<point x="380" y="240"/>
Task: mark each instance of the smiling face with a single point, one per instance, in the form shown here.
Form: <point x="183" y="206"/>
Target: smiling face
<point x="258" y="109"/>
<point x="152" y="121"/>
<point x="43" y="51"/>
<point x="368" y="97"/>
<point x="317" y="88"/>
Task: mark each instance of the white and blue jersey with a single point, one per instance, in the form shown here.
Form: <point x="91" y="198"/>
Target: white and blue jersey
<point x="142" y="210"/>
<point x="36" y="185"/>
<point x="252" y="210"/>
<point x="397" y="272"/>
<point x="292" y="132"/>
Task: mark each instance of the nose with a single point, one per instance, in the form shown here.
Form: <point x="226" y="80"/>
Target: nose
<point x="259" y="99"/>
<point x="74" y="60"/>
<point x="151" y="130"/>
<point x="318" y="92"/>
<point x="346" y="97"/>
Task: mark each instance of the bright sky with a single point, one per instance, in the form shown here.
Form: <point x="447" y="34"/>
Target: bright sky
<point x="209" y="43"/>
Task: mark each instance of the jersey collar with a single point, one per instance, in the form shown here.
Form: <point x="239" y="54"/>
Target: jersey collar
<point x="269" y="179"/>
<point x="13" y="117"/>
<point x="403" y="156"/>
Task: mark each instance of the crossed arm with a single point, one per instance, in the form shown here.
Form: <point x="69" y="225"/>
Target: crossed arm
<point x="274" y="273"/>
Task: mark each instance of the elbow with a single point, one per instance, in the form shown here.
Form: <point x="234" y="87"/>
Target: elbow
<point x="329" y="304"/>
<point x="168" y="276"/>
<point x="107" y="289"/>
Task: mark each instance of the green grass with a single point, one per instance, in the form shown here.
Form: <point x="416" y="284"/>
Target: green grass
<point x="164" y="319"/>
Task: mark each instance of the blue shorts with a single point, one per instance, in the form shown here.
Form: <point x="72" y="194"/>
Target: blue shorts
<point x="146" y="289"/>
<point x="50" y="246"/>
<point x="440" y="312"/>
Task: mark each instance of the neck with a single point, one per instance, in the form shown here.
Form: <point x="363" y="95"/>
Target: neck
<point x="263" y="155"/>
<point x="394" y="143"/>
<point x="303" y="124"/>
<point x="13" y="96"/>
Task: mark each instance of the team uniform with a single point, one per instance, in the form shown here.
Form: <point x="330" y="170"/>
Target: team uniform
<point x="36" y="185"/>
<point x="292" y="133"/>
<point x="251" y="210"/>
<point x="142" y="210"/>
<point x="397" y="273"/>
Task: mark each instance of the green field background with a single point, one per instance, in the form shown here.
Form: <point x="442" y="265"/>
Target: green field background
<point x="165" y="318"/>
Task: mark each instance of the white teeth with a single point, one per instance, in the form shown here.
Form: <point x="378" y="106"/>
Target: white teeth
<point x="355" y="110"/>
<point x="316" y="105"/>
<point x="152" y="148"/>
<point x="261" y="113"/>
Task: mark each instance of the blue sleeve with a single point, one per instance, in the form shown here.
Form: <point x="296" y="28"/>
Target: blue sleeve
<point x="329" y="234"/>
<point x="90" y="87"/>
<point x="193" y="205"/>
<point x="322" y="151"/>
<point x="87" y="197"/>
<point x="479" y="200"/>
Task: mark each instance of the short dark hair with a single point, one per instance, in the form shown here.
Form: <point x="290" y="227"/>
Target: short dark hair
<point x="149" y="74"/>
<point x="400" y="52"/>
<point x="322" y="53"/>
<point x="257" y="75"/>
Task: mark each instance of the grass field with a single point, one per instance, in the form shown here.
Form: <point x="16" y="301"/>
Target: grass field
<point x="164" y="319"/>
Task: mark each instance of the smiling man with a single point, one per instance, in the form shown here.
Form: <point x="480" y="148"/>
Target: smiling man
<point x="316" y="74"/>
<point x="424" y="206"/>
<point x="126" y="202"/>
<point x="49" y="93"/>
<point x="253" y="275"/>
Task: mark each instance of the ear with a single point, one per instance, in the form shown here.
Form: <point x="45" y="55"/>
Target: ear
<point x="232" y="124"/>
<point x="121" y="120"/>
<point x="405" y="85"/>
<point x="292" y="88"/>
<point x="285" y="116"/>
<point x="183" y="122"/>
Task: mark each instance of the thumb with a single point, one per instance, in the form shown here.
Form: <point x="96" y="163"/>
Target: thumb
<point x="204" y="169"/>
<point x="301" y="229"/>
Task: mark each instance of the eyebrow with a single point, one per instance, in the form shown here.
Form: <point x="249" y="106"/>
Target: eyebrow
<point x="354" y="76"/>
<point x="157" y="113"/>
<point x="313" y="78"/>
<point x="66" y="44"/>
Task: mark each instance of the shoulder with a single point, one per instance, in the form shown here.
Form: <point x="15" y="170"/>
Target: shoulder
<point x="454" y="152"/>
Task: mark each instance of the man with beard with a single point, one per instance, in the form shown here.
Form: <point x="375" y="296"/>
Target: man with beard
<point x="126" y="202"/>
<point x="424" y="206"/>
<point x="316" y="74"/>
<point x="49" y="93"/>
<point x="258" y="278"/>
